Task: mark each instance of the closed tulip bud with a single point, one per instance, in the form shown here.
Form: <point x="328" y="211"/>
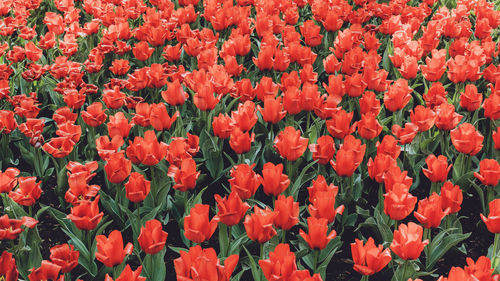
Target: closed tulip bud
<point x="398" y="202"/>
<point x="289" y="144"/>
<point x="287" y="212"/>
<point x="280" y="265"/>
<point x="137" y="188"/>
<point x="489" y="172"/>
<point x="369" y="258"/>
<point x="493" y="220"/>
<point x="273" y="181"/>
<point x="231" y="209"/>
<point x="323" y="150"/>
<point x="437" y="168"/>
<point x="110" y="250"/>
<point x="429" y="212"/>
<point x="152" y="237"/>
<point x="407" y="243"/>
<point x="466" y="139"/>
<point x="259" y="225"/>
<point x="318" y="236"/>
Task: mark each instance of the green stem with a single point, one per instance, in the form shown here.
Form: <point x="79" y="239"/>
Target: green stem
<point x="404" y="271"/>
<point x="364" y="278"/>
<point x="283" y="238"/>
<point x="494" y="255"/>
<point x="316" y="256"/>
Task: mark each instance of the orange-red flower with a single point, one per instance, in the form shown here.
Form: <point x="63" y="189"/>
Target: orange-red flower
<point x="65" y="256"/>
<point x="222" y="126"/>
<point x="137" y="187"/>
<point x="437" y="168"/>
<point x="323" y="205"/>
<point x="280" y="265"/>
<point x="117" y="167"/>
<point x="407" y="243"/>
<point x="318" y="236"/>
<point x="398" y="95"/>
<point x="493" y="220"/>
<point x="27" y="192"/>
<point x="423" y="117"/>
<point x="119" y="67"/>
<point x="434" y="67"/>
<point x="467" y="139"/>
<point x="86" y="215"/>
<point x="245" y="117"/>
<point x="489" y="172"/>
<point x="273" y="110"/>
<point x="152" y="237"/>
<point x="127" y="274"/>
<point x="8" y="179"/>
<point x="8" y="268"/>
<point x="231" y="209"/>
<point x="349" y="156"/>
<point x="323" y="150"/>
<point x="429" y="211"/>
<point x="240" y="141"/>
<point x="203" y="264"/>
<point x="259" y="224"/>
<point x="118" y="125"/>
<point x="470" y="99"/>
<point x="174" y="95"/>
<point x="184" y="176"/>
<point x="59" y="147"/>
<point x="159" y="118"/>
<point x="142" y="51"/>
<point x="447" y="118"/>
<point x="378" y="166"/>
<point x="340" y="124"/>
<point x="399" y="203"/>
<point x="95" y="115"/>
<point x="289" y="144"/>
<point x="148" y="150"/>
<point x="46" y="271"/>
<point x="273" y="181"/>
<point x="287" y="212"/>
<point x="197" y="226"/>
<point x="110" y="250"/>
<point x="244" y="181"/>
<point x="491" y="107"/>
<point x="369" y="258"/>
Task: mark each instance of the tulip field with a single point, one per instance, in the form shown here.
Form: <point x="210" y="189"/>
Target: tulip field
<point x="228" y="140"/>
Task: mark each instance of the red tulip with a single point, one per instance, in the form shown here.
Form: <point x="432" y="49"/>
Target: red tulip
<point x="259" y="225"/>
<point x="95" y="115"/>
<point x="399" y="203"/>
<point x="466" y="139"/>
<point x="470" y="99"/>
<point x="423" y="117"/>
<point x="287" y="212"/>
<point x="8" y="268"/>
<point x="429" y="212"/>
<point x="27" y="192"/>
<point x="405" y="135"/>
<point x="110" y="250"/>
<point x="493" y="220"/>
<point x="289" y="144"/>
<point x="379" y="166"/>
<point x="340" y="124"/>
<point x="118" y="125"/>
<point x="128" y="275"/>
<point x="159" y="118"/>
<point x="231" y="209"/>
<point x="451" y="197"/>
<point x="318" y="236"/>
<point x="185" y="176"/>
<point x="137" y="187"/>
<point x="323" y="205"/>
<point x="447" y="118"/>
<point x="280" y="265"/>
<point x="65" y="256"/>
<point x="395" y="175"/>
<point x="437" y="168"/>
<point x="398" y="95"/>
<point x="349" y="156"/>
<point x="273" y="181"/>
<point x="203" y="264"/>
<point x="240" y="141"/>
<point x="46" y="271"/>
<point x="273" y="110"/>
<point x="245" y="117"/>
<point x="244" y="181"/>
<point x="142" y="51"/>
<point x="388" y="146"/>
<point x="407" y="243"/>
<point x="86" y="215"/>
<point x="491" y="107"/>
<point x="369" y="259"/>
<point x="222" y="126"/>
<point x="174" y="95"/>
<point x="489" y="172"/>
<point x="369" y="103"/>
<point x="324" y="150"/>
<point x="117" y="167"/>
<point x="152" y="238"/>
<point x="148" y="150"/>
<point x="197" y="226"/>
<point x="59" y="147"/>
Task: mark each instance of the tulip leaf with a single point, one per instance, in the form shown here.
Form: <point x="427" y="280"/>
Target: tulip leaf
<point x="178" y="249"/>
<point x="441" y="244"/>
<point x="253" y="266"/>
<point x="299" y="181"/>
<point x="223" y="240"/>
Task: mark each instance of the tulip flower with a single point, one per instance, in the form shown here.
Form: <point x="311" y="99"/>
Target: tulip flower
<point x="287" y="212"/>
<point x="152" y="238"/>
<point x="405" y="135"/>
<point x="394" y="175"/>
<point x="113" y="98"/>
<point x="118" y="125"/>
<point x="95" y="115"/>
<point x="447" y="118"/>
<point x="159" y="118"/>
<point x="289" y="144"/>
<point x="222" y="126"/>
<point x="280" y="265"/>
<point x="340" y="124"/>
<point x="240" y="141"/>
<point x="323" y="205"/>
<point x="244" y="181"/>
<point x="46" y="271"/>
<point x="8" y="268"/>
<point x="467" y="139"/>
<point x="86" y="215"/>
<point x="435" y="96"/>
<point x="324" y="150"/>
<point x="27" y="192"/>
<point x="174" y="95"/>
<point x="434" y="67"/>
<point x="349" y="156"/>
<point x="320" y="185"/>
<point x="379" y="166"/>
<point x="272" y="111"/>
<point x="437" y="168"/>
<point x="470" y="99"/>
<point x="368" y="127"/>
<point x="197" y="226"/>
<point x="259" y="225"/>
<point x="117" y="167"/>
<point x="273" y="181"/>
<point x="489" y="172"/>
<point x="493" y="220"/>
<point x="119" y="67"/>
<point x="110" y="250"/>
<point x="245" y="117"/>
<point x="137" y="187"/>
<point x="388" y="146"/>
<point x="430" y="212"/>
<point x="148" y="150"/>
<point x="318" y="236"/>
<point x="451" y="197"/>
<point x="203" y="264"/>
<point x="231" y="209"/>
<point x="398" y="95"/>
<point x="423" y="117"/>
<point x="142" y="51"/>
<point x="185" y="176"/>
<point x="496" y="138"/>
<point x="128" y="275"/>
<point x="369" y="258"/>
<point x="65" y="256"/>
<point x="59" y="147"/>
<point x="407" y="243"/>
<point x="399" y="203"/>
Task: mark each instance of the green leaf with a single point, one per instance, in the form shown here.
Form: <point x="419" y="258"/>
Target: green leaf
<point x="441" y="244"/>
<point x="253" y="266"/>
